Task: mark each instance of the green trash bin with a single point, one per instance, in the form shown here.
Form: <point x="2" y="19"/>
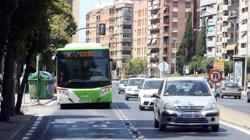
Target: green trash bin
<point x="45" y="82"/>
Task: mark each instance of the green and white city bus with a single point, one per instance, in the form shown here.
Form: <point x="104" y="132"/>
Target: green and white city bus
<point x="83" y="74"/>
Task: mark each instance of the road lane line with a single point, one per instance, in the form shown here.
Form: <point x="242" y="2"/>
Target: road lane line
<point x="235" y="127"/>
<point x="33" y="128"/>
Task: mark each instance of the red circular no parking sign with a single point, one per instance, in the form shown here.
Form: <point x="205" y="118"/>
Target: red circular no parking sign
<point x="215" y="76"/>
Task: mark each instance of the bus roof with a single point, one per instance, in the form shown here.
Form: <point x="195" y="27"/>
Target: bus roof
<point x="82" y="46"/>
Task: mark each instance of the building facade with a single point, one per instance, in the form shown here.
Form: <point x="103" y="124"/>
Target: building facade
<point x="244" y="17"/>
<point x="140" y="27"/>
<point x="118" y="17"/>
<point x="166" y="27"/>
<point x="75" y="5"/>
<point x="208" y="12"/>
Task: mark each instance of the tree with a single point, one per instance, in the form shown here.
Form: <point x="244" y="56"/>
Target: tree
<point x="136" y="66"/>
<point x="201" y="50"/>
<point x="7" y="8"/>
<point x="186" y="49"/>
<point x="53" y="32"/>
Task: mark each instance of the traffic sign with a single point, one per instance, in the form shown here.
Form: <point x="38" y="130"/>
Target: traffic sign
<point x="215" y="76"/>
<point x="163" y="66"/>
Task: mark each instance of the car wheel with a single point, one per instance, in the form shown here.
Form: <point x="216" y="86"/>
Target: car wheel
<point x="221" y="96"/>
<point x="162" y="126"/>
<point x="239" y="97"/>
<point x="215" y="128"/>
<point x="126" y="98"/>
<point x="235" y="97"/>
<point x="141" y="107"/>
<point x="156" y="124"/>
<point x="248" y="98"/>
<point x="119" y="92"/>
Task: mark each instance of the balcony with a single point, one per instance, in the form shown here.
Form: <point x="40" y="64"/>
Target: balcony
<point x="211" y="22"/>
<point x="207" y="2"/>
<point x="124" y="39"/>
<point x="152" y="17"/>
<point x="212" y="33"/>
<point x="225" y="7"/>
<point x="210" y="43"/>
<point x="153" y="36"/>
<point x="156" y="26"/>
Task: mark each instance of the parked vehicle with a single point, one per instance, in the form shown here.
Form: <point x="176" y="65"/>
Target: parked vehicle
<point x="186" y="101"/>
<point x="248" y="96"/>
<point x="122" y="85"/>
<point x="230" y="89"/>
<point x="132" y="90"/>
<point x="150" y="86"/>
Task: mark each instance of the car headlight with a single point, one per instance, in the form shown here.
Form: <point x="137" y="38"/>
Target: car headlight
<point x="129" y="89"/>
<point x="105" y="91"/>
<point x="169" y="106"/>
<point x="147" y="96"/>
<point x="211" y="106"/>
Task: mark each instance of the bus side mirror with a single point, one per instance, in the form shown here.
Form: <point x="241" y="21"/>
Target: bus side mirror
<point x="102" y="28"/>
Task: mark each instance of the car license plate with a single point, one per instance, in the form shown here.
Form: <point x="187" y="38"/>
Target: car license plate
<point x="191" y="116"/>
<point x="136" y="91"/>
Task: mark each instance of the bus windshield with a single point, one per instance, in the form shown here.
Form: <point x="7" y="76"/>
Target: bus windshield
<point x="83" y="72"/>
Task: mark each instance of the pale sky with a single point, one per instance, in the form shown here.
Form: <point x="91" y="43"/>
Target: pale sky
<point x="85" y="7"/>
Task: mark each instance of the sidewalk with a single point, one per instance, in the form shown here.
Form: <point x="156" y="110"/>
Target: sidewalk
<point x="235" y="117"/>
<point x="18" y="123"/>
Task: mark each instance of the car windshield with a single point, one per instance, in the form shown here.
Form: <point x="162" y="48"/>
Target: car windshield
<point x="186" y="88"/>
<point x="124" y="82"/>
<point x="152" y="84"/>
<point x="231" y="85"/>
<point x="135" y="82"/>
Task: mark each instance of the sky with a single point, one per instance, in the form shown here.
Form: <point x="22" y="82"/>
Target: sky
<point x="85" y="7"/>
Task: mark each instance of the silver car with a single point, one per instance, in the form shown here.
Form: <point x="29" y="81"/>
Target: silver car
<point x="230" y="89"/>
<point x="122" y="85"/>
<point x="186" y="101"/>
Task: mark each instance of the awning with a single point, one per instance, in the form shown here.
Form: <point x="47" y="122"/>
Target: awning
<point x="230" y="47"/>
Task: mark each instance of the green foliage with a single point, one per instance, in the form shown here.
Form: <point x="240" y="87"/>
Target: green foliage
<point x="201" y="64"/>
<point x="136" y="66"/>
<point x="186" y="49"/>
<point x="228" y="67"/>
<point x="201" y="50"/>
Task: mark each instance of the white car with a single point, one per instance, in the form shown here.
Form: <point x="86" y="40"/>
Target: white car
<point x="122" y="85"/>
<point x="132" y="90"/>
<point x="150" y="86"/>
<point x="186" y="101"/>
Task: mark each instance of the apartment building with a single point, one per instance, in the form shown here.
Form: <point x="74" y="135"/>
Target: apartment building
<point x="166" y="27"/>
<point x="140" y="26"/>
<point x="208" y="11"/>
<point x="118" y="19"/>
<point x="75" y="5"/>
<point x="226" y="29"/>
<point x="244" y="17"/>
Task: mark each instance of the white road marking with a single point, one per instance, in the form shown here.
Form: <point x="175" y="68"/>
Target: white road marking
<point x="235" y="127"/>
<point x="33" y="128"/>
<point x="25" y="138"/>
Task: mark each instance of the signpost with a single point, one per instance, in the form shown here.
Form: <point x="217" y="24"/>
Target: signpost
<point x="163" y="67"/>
<point x="215" y="76"/>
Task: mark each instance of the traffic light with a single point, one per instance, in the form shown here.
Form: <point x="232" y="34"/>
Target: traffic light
<point x="102" y="28"/>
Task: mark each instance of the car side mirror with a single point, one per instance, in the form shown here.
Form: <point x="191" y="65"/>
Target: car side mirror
<point x="156" y="95"/>
<point x="125" y="85"/>
<point x="139" y="87"/>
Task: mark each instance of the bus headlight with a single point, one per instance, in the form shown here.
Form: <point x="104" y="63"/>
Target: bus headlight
<point x="62" y="91"/>
<point x="105" y="91"/>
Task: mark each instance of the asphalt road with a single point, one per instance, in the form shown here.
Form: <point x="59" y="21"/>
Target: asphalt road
<point x="123" y="121"/>
<point x="236" y="104"/>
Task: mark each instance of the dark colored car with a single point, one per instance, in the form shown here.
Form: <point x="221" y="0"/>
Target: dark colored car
<point x="248" y="96"/>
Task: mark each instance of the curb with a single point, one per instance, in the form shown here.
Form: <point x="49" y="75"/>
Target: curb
<point x="239" y="119"/>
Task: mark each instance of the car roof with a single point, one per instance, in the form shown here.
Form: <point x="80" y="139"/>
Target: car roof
<point x="136" y="78"/>
<point x="185" y="78"/>
<point x="154" y="79"/>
